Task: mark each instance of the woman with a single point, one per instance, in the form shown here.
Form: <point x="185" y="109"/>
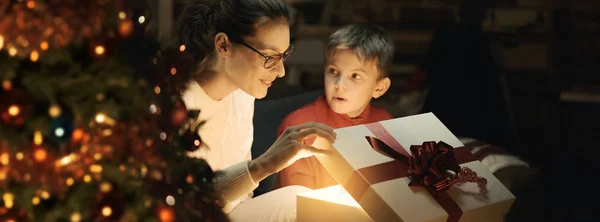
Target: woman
<point x="240" y="46"/>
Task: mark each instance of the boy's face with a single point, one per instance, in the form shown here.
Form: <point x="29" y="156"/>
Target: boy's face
<point x="350" y="83"/>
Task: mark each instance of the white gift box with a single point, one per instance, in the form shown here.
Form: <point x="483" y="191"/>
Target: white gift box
<point x="392" y="199"/>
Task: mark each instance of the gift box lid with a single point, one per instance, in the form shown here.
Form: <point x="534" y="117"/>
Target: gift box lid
<point x="393" y="199"/>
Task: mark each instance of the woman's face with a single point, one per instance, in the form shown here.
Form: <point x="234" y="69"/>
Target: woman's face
<point x="245" y="67"/>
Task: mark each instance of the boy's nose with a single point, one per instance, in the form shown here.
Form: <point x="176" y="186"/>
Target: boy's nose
<point x="339" y="83"/>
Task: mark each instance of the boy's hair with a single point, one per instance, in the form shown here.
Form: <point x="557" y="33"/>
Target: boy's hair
<point x="369" y="42"/>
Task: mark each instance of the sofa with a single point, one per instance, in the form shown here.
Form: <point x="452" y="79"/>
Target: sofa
<point x="524" y="182"/>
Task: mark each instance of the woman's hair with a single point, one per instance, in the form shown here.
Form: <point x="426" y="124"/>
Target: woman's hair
<point x="202" y="20"/>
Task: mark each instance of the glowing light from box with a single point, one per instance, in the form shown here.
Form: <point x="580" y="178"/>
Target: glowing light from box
<point x="336" y="194"/>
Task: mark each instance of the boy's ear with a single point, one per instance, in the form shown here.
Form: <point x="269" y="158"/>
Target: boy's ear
<point x="382" y="86"/>
<point x="222" y="44"/>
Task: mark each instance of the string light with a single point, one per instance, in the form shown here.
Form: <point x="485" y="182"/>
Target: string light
<point x="95" y="168"/>
<point x="34" y="55"/>
<point x="182" y="48"/>
<point x="67" y="159"/>
<point x="99" y="50"/>
<point x="76" y="217"/>
<point x="4" y="159"/>
<point x="157" y="90"/>
<point x="44" y="45"/>
<point x="170" y="200"/>
<point x="166" y="215"/>
<point x="7" y="85"/>
<point x="30" y="4"/>
<point x="102" y="118"/>
<point x="1" y="41"/>
<point x="54" y="111"/>
<point x="40" y="154"/>
<point x="44" y="194"/>
<point x="70" y="181"/>
<point x="122" y="15"/>
<point x="12" y="51"/>
<point x="35" y="200"/>
<point x="38" y="139"/>
<point x="8" y="200"/>
<point x="106" y="211"/>
<point x="2" y="175"/>
<point x="77" y="135"/>
<point x="87" y="178"/>
<point x="173" y="71"/>
<point x="105" y="187"/>
<point x="152" y="108"/>
<point x="141" y="19"/>
<point x="59" y="132"/>
<point x="19" y="156"/>
<point x="14" y="110"/>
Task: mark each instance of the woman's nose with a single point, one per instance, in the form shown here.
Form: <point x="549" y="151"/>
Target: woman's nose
<point x="279" y="69"/>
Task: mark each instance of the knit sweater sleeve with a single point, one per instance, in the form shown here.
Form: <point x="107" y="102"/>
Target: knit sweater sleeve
<point x="234" y="183"/>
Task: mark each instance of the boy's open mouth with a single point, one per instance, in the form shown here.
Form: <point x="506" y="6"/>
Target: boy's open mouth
<point x="339" y="98"/>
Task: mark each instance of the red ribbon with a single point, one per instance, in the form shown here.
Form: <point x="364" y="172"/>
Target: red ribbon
<point x="427" y="168"/>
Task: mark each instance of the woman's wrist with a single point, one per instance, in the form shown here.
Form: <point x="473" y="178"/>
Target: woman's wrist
<point x="258" y="169"/>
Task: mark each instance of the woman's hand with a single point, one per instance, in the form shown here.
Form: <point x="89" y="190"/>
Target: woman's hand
<point x="288" y="148"/>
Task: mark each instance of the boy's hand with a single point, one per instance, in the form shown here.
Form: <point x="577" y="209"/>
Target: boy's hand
<point x="288" y="148"/>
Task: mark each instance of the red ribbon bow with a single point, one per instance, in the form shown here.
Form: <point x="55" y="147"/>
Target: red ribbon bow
<point x="432" y="165"/>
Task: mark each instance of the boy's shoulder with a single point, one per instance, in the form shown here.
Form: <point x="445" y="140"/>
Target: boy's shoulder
<point x="379" y="113"/>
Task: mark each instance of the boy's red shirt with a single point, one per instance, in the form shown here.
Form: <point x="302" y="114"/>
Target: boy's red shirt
<point x="309" y="172"/>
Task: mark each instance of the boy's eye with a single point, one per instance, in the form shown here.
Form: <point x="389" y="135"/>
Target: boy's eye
<point x="356" y="76"/>
<point x="332" y="71"/>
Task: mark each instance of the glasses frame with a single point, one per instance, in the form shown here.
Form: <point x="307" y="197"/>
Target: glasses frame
<point x="283" y="56"/>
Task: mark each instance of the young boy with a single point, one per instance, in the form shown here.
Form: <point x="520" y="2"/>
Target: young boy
<point x="356" y="60"/>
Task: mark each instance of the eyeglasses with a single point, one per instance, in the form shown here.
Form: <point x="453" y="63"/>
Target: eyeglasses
<point x="271" y="61"/>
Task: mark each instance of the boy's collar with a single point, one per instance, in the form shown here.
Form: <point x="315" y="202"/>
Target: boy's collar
<point x="324" y="112"/>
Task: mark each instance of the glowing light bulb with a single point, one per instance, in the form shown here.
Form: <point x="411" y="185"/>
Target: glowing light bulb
<point x="12" y="51"/>
<point x="34" y="56"/>
<point x="170" y="200"/>
<point x="99" y="50"/>
<point x="54" y="111"/>
<point x="100" y="118"/>
<point x="141" y="19"/>
<point x="122" y="15"/>
<point x="38" y="139"/>
<point x="40" y="154"/>
<point x="106" y="211"/>
<point x="59" y="132"/>
<point x="44" y="45"/>
<point x="35" y="200"/>
<point x="14" y="110"/>
<point x="182" y="48"/>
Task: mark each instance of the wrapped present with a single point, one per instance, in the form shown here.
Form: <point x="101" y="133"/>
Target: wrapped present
<point x="329" y="204"/>
<point x="413" y="169"/>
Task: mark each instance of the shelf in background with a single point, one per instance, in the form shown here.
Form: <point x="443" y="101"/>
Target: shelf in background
<point x="324" y="31"/>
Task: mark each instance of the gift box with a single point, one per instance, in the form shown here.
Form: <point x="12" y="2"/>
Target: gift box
<point x="329" y="204"/>
<point x="409" y="169"/>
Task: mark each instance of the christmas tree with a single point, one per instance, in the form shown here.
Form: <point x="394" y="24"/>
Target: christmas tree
<point x="92" y="126"/>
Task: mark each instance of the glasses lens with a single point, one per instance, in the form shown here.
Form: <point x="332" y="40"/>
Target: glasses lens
<point x="272" y="61"/>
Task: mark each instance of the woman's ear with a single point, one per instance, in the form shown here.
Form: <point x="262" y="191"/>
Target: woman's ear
<point x="382" y="86"/>
<point x="222" y="44"/>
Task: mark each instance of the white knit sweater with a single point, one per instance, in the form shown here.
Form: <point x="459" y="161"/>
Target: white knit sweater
<point x="227" y="138"/>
